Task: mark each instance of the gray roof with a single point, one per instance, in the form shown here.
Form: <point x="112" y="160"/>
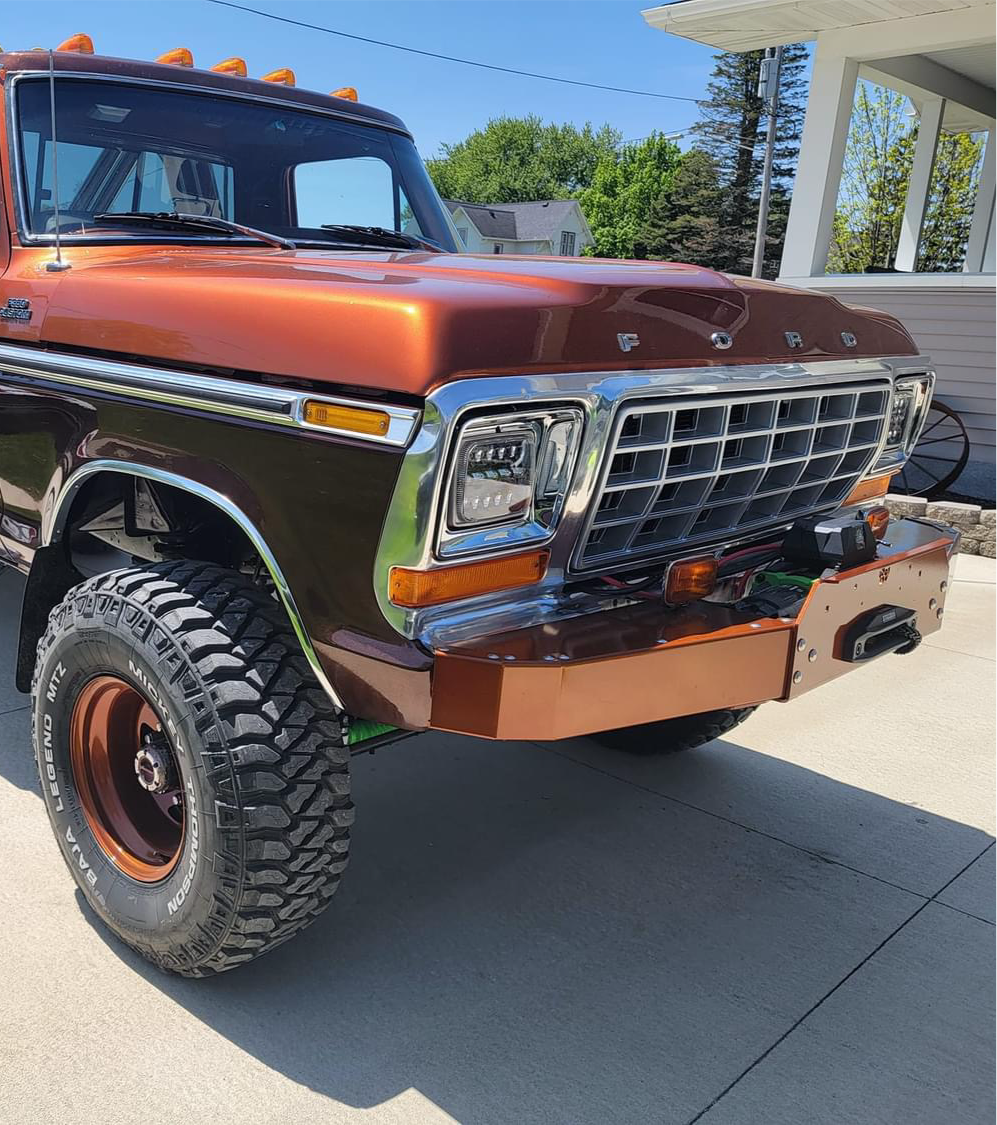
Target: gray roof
<point x="522" y="222"/>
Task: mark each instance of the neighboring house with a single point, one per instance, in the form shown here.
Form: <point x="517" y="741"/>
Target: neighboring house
<point x="940" y="54"/>
<point x="548" y="226"/>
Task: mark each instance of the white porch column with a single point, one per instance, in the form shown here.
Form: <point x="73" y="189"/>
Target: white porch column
<point x="822" y="152"/>
<point x="980" y="248"/>
<point x="919" y="185"/>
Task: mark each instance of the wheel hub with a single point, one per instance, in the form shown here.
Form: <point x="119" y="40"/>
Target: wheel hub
<point x="127" y="779"/>
<point x="152" y="768"/>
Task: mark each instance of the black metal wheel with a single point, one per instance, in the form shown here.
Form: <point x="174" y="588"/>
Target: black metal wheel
<point x="939" y="457"/>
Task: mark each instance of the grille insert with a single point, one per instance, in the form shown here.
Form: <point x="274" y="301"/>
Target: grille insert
<point x="698" y="472"/>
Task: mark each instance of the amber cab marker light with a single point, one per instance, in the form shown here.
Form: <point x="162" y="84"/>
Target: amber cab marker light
<point x="690" y="580"/>
<point x="878" y="519"/>
<point x="233" y="65"/>
<point x="81" y="44"/>
<point x="347" y="92"/>
<point x="414" y="589"/>
<point x="353" y="419"/>
<point x="179" y="56"/>
<point x="870" y="489"/>
<point x="283" y="76"/>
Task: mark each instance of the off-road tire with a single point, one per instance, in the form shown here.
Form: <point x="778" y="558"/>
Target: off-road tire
<point x="673" y="735"/>
<point x="257" y="744"/>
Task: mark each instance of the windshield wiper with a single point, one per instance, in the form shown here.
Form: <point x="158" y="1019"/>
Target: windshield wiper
<point x="182" y="219"/>
<point x="386" y="237"/>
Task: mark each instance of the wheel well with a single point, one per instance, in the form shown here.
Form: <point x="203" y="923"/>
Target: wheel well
<point x="112" y="520"/>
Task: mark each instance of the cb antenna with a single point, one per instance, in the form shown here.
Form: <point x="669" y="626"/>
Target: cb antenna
<point x="58" y="264"/>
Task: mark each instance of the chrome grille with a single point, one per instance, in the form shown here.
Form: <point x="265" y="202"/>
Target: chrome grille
<point x="690" y="472"/>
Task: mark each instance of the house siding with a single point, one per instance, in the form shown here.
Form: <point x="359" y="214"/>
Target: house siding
<point x="953" y="325"/>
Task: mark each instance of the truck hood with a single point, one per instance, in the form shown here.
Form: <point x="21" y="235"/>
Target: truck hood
<point x="407" y="322"/>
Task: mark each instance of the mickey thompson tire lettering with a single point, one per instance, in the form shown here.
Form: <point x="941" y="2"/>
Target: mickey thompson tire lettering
<point x="257" y="744"/>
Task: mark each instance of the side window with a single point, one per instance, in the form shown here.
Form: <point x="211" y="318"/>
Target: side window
<point x="76" y="163"/>
<point x="497" y="248"/>
<point x="567" y="243"/>
<point x="175" y="183"/>
<point x="357" y="190"/>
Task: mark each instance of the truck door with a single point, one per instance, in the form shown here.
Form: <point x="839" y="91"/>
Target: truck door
<point x="34" y="427"/>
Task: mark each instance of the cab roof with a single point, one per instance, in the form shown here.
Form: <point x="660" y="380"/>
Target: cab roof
<point x="72" y="62"/>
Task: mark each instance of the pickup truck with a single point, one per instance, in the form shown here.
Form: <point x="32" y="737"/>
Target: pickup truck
<point x="289" y="476"/>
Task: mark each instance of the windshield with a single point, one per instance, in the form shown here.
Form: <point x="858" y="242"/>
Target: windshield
<point x="288" y="171"/>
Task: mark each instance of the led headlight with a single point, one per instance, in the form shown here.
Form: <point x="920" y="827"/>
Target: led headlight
<point x="495" y="478"/>
<point x="509" y="479"/>
<point x="907" y="412"/>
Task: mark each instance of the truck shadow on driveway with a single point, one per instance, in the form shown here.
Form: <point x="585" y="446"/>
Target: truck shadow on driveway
<point x="522" y="938"/>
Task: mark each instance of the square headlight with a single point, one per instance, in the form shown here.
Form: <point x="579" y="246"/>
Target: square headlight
<point x="907" y="412"/>
<point x="510" y="478"/>
<point x="495" y="478"/>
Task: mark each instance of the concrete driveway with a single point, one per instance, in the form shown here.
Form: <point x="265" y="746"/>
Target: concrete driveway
<point x="794" y="925"/>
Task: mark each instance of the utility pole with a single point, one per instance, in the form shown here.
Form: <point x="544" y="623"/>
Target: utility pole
<point x="768" y="89"/>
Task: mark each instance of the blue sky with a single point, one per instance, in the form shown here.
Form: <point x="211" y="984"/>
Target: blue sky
<point x="604" y="41"/>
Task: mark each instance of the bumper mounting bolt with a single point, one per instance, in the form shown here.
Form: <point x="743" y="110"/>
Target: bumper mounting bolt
<point x="812" y="656"/>
<point x="938" y="613"/>
<point x="801" y="644"/>
<point x="943" y="585"/>
<point x="933" y="604"/>
<point x="797" y="677"/>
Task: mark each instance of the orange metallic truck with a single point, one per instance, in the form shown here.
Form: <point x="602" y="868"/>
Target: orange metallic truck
<point x="289" y="476"/>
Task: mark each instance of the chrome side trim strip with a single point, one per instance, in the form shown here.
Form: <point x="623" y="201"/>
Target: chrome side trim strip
<point x="409" y="532"/>
<point x="231" y="397"/>
<point x="53" y="532"/>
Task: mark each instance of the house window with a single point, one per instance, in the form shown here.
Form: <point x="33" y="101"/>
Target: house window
<point x="497" y="249"/>
<point x="462" y="231"/>
<point x="567" y="243"/>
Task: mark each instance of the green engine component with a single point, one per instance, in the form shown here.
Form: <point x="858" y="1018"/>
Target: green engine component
<point x="362" y="730"/>
<point x="778" y="578"/>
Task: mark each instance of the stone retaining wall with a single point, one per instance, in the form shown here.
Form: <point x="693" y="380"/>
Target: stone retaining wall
<point x="975" y="523"/>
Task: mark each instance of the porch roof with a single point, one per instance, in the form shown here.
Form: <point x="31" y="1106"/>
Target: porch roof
<point x="748" y="25"/>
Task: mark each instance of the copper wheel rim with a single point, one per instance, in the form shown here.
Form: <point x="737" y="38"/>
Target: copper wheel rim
<point x="127" y="779"/>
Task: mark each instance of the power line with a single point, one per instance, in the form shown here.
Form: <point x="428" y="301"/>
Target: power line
<point x="449" y="58"/>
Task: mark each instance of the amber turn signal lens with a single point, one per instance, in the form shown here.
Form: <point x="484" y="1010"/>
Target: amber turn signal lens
<point x="179" y="56"/>
<point x="233" y="65"/>
<point x="413" y="589"/>
<point x="81" y="44"/>
<point x="347" y="92"/>
<point x="283" y="77"/>
<point x="870" y="489"/>
<point x="351" y="419"/>
<point x="878" y="518"/>
<point x="690" y="580"/>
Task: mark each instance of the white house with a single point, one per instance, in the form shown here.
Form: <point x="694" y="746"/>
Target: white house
<point x="547" y="226"/>
<point x="940" y="54"/>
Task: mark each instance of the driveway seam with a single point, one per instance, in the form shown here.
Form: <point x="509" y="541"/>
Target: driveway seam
<point x="827" y="995"/>
<point x="965" y="913"/>
<point x="14" y="710"/>
<point x="958" y="652"/>
<point x="744" y="827"/>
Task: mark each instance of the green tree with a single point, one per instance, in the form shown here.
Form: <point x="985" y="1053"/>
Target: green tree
<point x="626" y="184"/>
<point x="879" y="154"/>
<point x="683" y="224"/>
<point x="517" y="159"/>
<point x="732" y="131"/>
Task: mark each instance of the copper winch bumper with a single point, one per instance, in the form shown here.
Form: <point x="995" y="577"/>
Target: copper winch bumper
<point x="643" y="663"/>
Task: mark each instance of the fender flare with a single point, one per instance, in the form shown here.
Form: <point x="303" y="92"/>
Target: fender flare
<point x="64" y="500"/>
